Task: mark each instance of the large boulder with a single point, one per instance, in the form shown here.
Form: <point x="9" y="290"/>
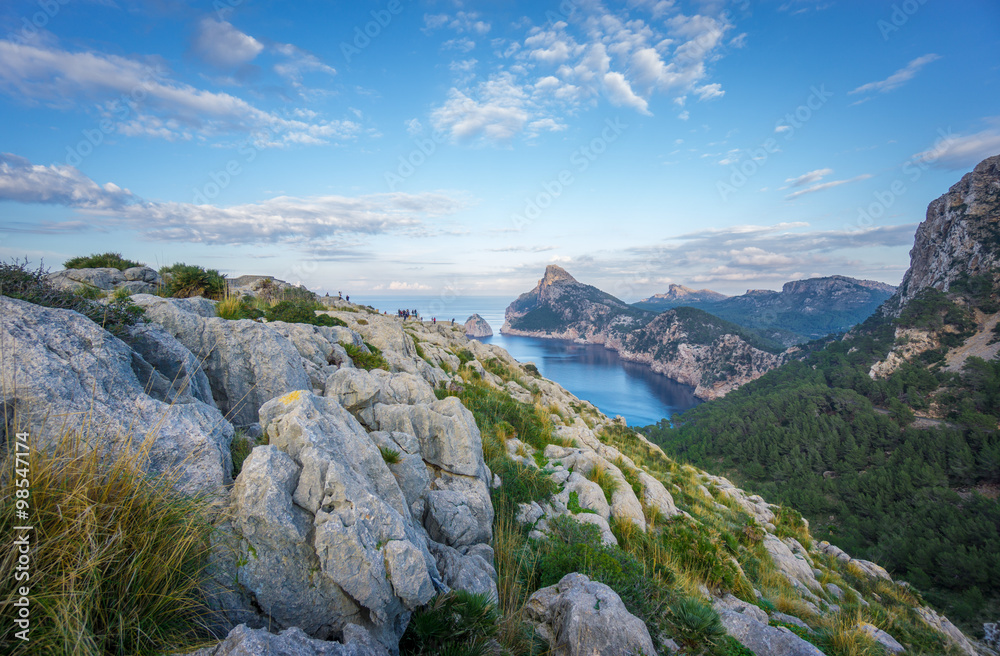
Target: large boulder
<point x="247" y="363"/>
<point x="105" y="278"/>
<point x="321" y="347"/>
<point x="359" y="391"/>
<point x="476" y="326"/>
<point x="762" y="639"/>
<point x="244" y="641"/>
<point x="793" y="566"/>
<point x="327" y="537"/>
<point x="888" y="643"/>
<point x="63" y="373"/>
<point x="173" y="360"/>
<point x="580" y="617"/>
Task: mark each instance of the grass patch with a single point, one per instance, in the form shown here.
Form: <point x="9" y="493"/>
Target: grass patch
<point x="118" y="557"/>
<point x="101" y="261"/>
<point x="574" y="504"/>
<point x="603" y="477"/>
<point x="241" y="448"/>
<point x="391" y="456"/>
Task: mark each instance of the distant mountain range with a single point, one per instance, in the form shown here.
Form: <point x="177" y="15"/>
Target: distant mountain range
<point x="686" y="344"/>
<point x="802" y="311"/>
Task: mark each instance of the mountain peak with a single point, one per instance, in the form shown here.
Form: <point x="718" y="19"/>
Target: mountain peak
<point x="555" y="273"/>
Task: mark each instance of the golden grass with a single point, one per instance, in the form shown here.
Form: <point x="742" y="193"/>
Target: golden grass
<point x="118" y="559"/>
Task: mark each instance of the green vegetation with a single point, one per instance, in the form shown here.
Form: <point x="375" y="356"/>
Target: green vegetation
<point x="822" y="436"/>
<point x="366" y="357"/>
<point x="390" y="456"/>
<point x="20" y="282"/>
<point x="301" y="311"/>
<point x="241" y="448"/>
<point x="188" y="280"/>
<point x="101" y="261"/>
<point x="574" y="504"/>
<point x="119" y="557"/>
<point x="457" y="623"/>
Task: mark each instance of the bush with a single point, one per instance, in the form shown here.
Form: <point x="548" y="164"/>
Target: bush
<point x="188" y="280"/>
<point x="301" y="311"/>
<point x="696" y="622"/>
<point x="20" y="282"/>
<point x="453" y="623"/>
<point x="118" y="558"/>
<point x="101" y="261"/>
<point x="366" y="359"/>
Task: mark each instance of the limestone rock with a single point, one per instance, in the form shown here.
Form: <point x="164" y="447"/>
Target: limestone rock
<point x="173" y="360"/>
<point x="105" y="278"/>
<point x="247" y="363"/>
<point x="469" y="571"/>
<point x="580" y="617"/>
<point x="328" y="538"/>
<point x="476" y="326"/>
<point x="890" y="644"/>
<point x="794" y="568"/>
<point x="65" y="371"/>
<point x="244" y="641"/>
<point x="731" y="603"/>
<point x="765" y="640"/>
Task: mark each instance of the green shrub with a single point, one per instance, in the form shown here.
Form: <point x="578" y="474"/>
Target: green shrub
<point x="20" y="282"/>
<point x="188" y="281"/>
<point x="101" y="261"/>
<point x="696" y="622"/>
<point x="453" y="623"/>
<point x="465" y="356"/>
<point x="366" y="359"/>
<point x="301" y="311"/>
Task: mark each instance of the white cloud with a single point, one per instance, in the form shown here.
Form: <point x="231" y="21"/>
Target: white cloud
<point x="499" y="112"/>
<point x="620" y="93"/>
<point x="596" y="52"/>
<point x="710" y="91"/>
<point x="397" y="285"/>
<point x="311" y="221"/>
<point x="24" y="182"/>
<point x="807" y="178"/>
<point x="899" y="78"/>
<point x="962" y="152"/>
<point x="462" y="45"/>
<point x="414" y="127"/>
<point x="222" y="45"/>
<point x="297" y="62"/>
<point x="825" y="185"/>
<point x="461" y="22"/>
<point x="163" y="108"/>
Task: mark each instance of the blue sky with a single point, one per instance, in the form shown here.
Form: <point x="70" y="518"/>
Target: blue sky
<point x="449" y="147"/>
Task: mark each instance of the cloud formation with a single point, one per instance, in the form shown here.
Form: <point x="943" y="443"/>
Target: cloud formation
<point x="624" y="56"/>
<point x="143" y="101"/>
<point x="312" y="221"/>
<point x="897" y="79"/>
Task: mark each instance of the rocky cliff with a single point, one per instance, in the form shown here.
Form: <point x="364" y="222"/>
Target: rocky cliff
<point x="960" y="235"/>
<point x="802" y="311"/>
<point x="691" y="346"/>
<point x="680" y="295"/>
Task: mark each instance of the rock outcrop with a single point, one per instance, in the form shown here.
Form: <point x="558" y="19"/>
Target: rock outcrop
<point x="580" y="617"/>
<point x="690" y="346"/>
<point x="476" y="326"/>
<point x="244" y="641"/>
<point x="137" y="280"/>
<point x="959" y="236"/>
<point x="64" y="374"/>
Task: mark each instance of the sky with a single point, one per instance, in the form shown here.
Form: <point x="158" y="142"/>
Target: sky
<point x="444" y="147"/>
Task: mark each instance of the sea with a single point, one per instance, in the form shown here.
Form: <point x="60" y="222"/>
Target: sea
<point x="589" y="371"/>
